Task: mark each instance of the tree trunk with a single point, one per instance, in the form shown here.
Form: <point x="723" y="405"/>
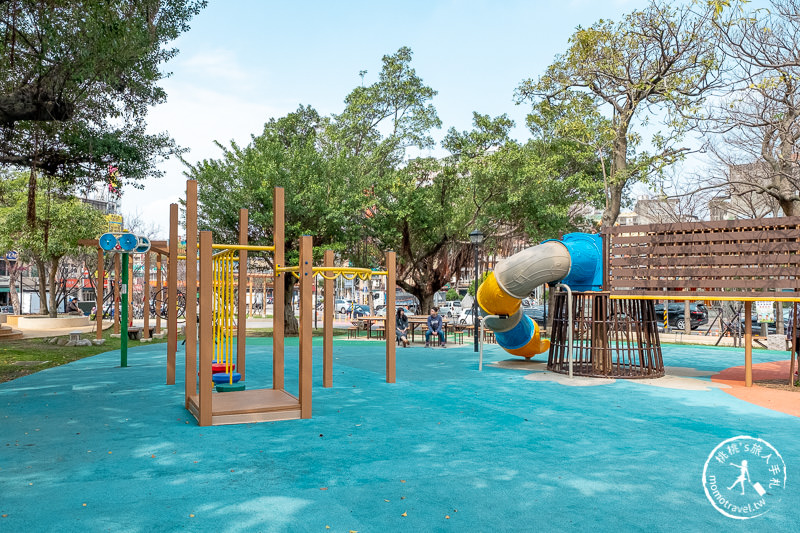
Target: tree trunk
<point x="43" y="309"/>
<point x="618" y="176"/>
<point x="31" y="215"/>
<point x="12" y="285"/>
<point x="51" y="284"/>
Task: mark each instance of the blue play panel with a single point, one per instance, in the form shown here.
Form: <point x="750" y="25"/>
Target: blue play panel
<point x="90" y="446"/>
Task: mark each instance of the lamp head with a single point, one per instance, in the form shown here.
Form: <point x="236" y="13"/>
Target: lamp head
<point x="476" y="237"/>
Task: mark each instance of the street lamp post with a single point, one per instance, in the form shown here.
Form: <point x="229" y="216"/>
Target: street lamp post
<point x="476" y="238"/>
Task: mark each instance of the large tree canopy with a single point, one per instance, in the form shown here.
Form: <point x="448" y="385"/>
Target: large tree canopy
<point x="661" y="59"/>
<point x="78" y="79"/>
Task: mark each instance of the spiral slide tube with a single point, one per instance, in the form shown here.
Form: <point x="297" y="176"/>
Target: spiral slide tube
<point x="576" y="261"/>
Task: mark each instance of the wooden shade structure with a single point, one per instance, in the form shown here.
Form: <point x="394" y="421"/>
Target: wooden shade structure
<point x="739" y="260"/>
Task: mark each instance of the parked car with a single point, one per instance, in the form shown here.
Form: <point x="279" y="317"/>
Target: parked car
<point x="360" y="310"/>
<point x="465" y="318"/>
<point x="8" y="309"/>
<point x="342" y="306"/>
<point x="382" y="310"/>
<point x="450" y="309"/>
<point x="698" y="314"/>
<point x="411" y="307"/>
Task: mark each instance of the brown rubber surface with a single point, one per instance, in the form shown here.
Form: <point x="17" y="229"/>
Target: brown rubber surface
<point x="778" y="400"/>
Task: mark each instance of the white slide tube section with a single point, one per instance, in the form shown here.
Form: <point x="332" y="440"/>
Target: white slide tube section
<point x="521" y="273"/>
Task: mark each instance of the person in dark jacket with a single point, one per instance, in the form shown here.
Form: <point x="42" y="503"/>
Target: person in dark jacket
<point x="401" y="325"/>
<point x="435" y="327"/>
<point x="72" y="307"/>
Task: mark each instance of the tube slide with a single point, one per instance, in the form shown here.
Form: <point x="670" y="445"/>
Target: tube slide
<point x="576" y="261"/>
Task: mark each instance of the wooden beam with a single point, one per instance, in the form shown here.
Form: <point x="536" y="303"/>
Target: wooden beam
<point x="390" y="331"/>
<point x="278" y="292"/>
<point x="241" y="323"/>
<point x="748" y="345"/>
<point x="117" y="277"/>
<point x="306" y="310"/>
<point x="190" y="353"/>
<point x="159" y="286"/>
<point x="172" y="294"/>
<point x="327" y="324"/>
<point x="206" y="335"/>
<point x="146" y="297"/>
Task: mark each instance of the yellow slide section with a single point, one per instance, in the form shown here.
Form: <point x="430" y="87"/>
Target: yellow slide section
<point x="510" y="331"/>
<point x="513" y="279"/>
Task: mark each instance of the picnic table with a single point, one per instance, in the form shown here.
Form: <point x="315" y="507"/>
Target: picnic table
<point x="422" y="320"/>
<point x="369" y="320"/>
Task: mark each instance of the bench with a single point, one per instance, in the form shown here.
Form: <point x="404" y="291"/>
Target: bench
<point x="135" y="332"/>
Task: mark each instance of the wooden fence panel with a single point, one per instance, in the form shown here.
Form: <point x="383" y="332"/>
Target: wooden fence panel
<point x="756" y="259"/>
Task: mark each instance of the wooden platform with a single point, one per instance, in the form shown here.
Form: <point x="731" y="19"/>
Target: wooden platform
<point x="259" y="405"/>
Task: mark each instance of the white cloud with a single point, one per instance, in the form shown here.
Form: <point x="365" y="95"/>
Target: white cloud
<point x="216" y="105"/>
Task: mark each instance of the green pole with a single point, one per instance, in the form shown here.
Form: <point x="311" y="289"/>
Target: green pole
<point x="123" y="290"/>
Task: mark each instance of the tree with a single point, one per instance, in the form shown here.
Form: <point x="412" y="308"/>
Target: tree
<point x="758" y="122"/>
<point x="61" y="223"/>
<point x="659" y="60"/>
<point x="78" y="79"/>
<point x="322" y="197"/>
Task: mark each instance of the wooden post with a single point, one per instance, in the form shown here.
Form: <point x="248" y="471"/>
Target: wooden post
<point x="206" y="335"/>
<point x="146" y="297"/>
<point x="172" y="294"/>
<point x="278" y="291"/>
<point x="116" y="292"/>
<point x="327" y="323"/>
<point x="158" y="290"/>
<point x="748" y="344"/>
<point x="101" y="280"/>
<point x="390" y="331"/>
<point x="241" y="323"/>
<point x="306" y="328"/>
<point x="190" y="352"/>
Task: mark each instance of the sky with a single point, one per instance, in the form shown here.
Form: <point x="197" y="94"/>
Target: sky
<point x="246" y="61"/>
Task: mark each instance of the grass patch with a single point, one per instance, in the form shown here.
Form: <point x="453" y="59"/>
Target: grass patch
<point x="25" y="356"/>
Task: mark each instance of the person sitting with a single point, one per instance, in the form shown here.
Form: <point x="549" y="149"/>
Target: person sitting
<point x="401" y="325"/>
<point x="72" y="307"/>
<point x="435" y="326"/>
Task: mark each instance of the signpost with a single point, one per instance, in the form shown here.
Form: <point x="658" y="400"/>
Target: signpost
<point x="125" y="244"/>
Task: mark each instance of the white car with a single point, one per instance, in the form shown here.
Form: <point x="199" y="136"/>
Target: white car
<point x="450" y="309"/>
<point x="465" y="318"/>
<point x="342" y="306"/>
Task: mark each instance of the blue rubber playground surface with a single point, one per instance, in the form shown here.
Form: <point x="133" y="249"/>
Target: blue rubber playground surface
<point x="90" y="446"/>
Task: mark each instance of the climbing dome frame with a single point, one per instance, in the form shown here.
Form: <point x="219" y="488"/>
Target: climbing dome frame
<point x="610" y="338"/>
